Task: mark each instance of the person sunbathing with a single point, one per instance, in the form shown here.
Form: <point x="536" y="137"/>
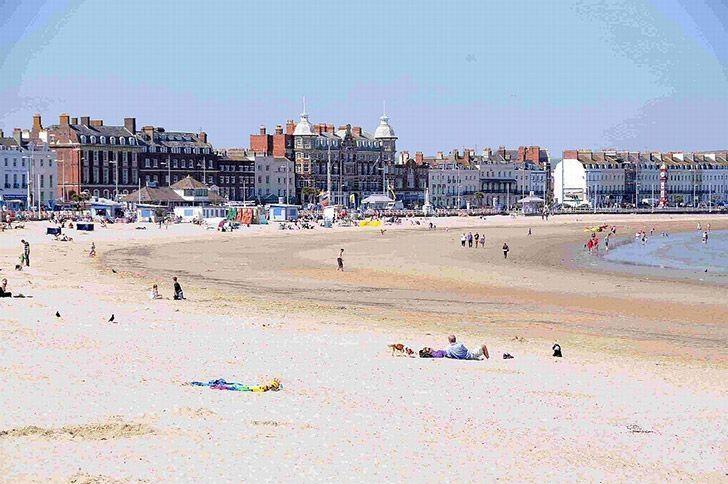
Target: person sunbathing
<point x="458" y="351"/>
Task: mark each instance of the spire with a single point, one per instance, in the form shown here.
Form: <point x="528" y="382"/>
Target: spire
<point x="303" y="128"/>
<point x="384" y="130"/>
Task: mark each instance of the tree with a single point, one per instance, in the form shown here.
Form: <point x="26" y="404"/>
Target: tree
<point x="308" y="193"/>
<point x="479" y="196"/>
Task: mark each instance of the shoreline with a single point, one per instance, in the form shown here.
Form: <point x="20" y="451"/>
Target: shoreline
<point x="107" y="401"/>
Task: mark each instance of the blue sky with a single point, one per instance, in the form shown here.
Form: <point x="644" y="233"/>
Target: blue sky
<point x="630" y="74"/>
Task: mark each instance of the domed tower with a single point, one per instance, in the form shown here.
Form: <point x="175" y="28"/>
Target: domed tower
<point x="304" y="148"/>
<point x="386" y="137"/>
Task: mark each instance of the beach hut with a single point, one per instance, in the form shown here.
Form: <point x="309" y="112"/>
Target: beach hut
<point x="531" y="205"/>
<point x="282" y="212"/>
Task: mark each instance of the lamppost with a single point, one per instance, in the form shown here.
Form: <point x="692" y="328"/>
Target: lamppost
<point x="168" y="164"/>
<point x="203" y="164"/>
<point x="287" y="170"/>
<point x="116" y="177"/>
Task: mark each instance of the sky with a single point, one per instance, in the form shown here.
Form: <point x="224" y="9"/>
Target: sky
<point x="625" y="74"/>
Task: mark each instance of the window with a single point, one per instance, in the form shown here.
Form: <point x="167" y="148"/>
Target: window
<point x="113" y="140"/>
<point x="42" y="181"/>
<point x="123" y="140"/>
<point x="103" y="140"/>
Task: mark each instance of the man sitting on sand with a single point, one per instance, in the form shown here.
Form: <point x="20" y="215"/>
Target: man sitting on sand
<point x="4" y="289"/>
<point x="458" y="351"/>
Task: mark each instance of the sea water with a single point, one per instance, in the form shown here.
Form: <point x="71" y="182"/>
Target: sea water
<point x="682" y="251"/>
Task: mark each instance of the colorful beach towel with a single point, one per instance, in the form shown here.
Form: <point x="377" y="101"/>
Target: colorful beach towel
<point x="221" y="384"/>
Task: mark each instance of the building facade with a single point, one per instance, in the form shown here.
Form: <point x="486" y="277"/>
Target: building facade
<point x="236" y="176"/>
<point x="110" y="161"/>
<point x="453" y="185"/>
<point x="167" y="157"/>
<point x="356" y="162"/>
<point x="626" y="178"/>
<point x="27" y="172"/>
<point x="410" y="179"/>
<point x="274" y="179"/>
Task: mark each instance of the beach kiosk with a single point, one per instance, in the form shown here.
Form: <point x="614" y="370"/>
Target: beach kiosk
<point x="282" y="212"/>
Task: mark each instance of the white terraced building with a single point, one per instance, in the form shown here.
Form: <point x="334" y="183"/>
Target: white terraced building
<point x="27" y="172"/>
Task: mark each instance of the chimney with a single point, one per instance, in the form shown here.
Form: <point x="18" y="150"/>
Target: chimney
<point x="96" y="123"/>
<point x="130" y="125"/>
<point x="37" y="124"/>
<point x="279" y="129"/>
<point x="261" y="130"/>
<point x="419" y="158"/>
<point x="63" y="119"/>
<point x="356" y="131"/>
<point x="149" y="132"/>
<point x="18" y="135"/>
<point x="290" y="126"/>
<point x="439" y="155"/>
<point x="85" y="120"/>
<point x="74" y="120"/>
<point x="203" y="137"/>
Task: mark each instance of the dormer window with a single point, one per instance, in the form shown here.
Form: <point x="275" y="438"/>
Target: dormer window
<point x="123" y="140"/>
<point x="113" y="140"/>
<point x="93" y="139"/>
<point x="132" y="141"/>
<point x="103" y="140"/>
<point x="83" y="139"/>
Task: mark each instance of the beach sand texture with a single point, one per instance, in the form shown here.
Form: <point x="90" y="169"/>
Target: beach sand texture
<point x="641" y="392"/>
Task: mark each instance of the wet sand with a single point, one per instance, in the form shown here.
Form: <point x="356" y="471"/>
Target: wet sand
<point x="640" y="393"/>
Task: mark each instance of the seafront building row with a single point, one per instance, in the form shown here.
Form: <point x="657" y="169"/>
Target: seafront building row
<point x="307" y="163"/>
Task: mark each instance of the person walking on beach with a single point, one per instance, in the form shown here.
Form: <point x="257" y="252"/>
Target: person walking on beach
<point x="340" y="261"/>
<point x="462" y="240"/>
<point x="482" y="241"/>
<point x="470" y="239"/>
<point x="529" y="230"/>
<point x="476" y="237"/>
<point x="700" y="227"/>
<point x="505" y="250"/>
<point x="26" y="253"/>
<point x="178" y="294"/>
<point x="92" y="252"/>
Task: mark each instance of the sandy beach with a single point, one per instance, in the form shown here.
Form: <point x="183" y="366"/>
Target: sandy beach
<point x="640" y="394"/>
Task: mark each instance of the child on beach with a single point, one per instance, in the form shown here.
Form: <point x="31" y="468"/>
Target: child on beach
<point x="340" y="261"/>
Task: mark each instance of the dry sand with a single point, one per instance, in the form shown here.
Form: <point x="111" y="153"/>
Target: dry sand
<point x="640" y="394"/>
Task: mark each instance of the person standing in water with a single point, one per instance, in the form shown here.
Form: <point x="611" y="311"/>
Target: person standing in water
<point x="505" y="250"/>
<point x="705" y="237"/>
<point x="340" y="261"/>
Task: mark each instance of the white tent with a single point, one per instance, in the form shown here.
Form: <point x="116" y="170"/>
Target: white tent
<point x="376" y="202"/>
<point x="531" y="204"/>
